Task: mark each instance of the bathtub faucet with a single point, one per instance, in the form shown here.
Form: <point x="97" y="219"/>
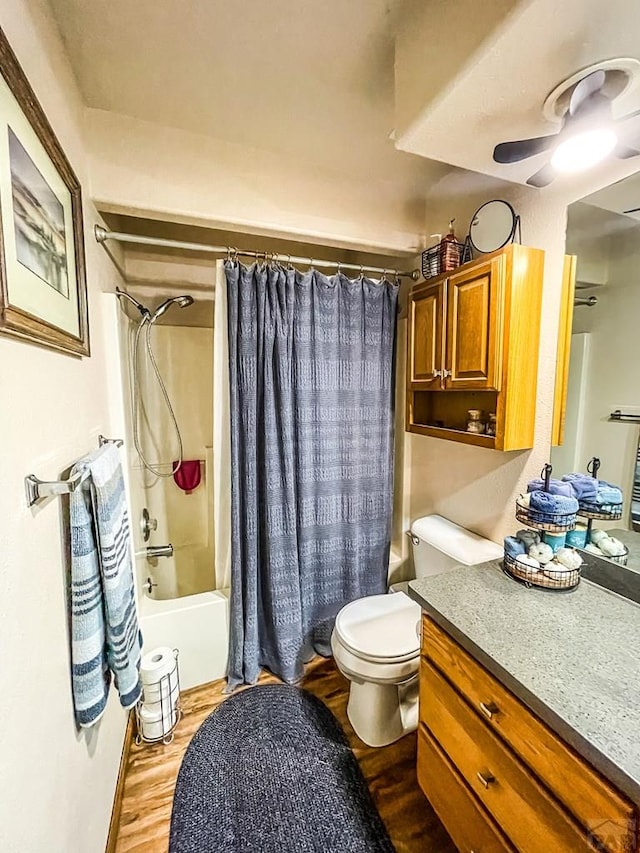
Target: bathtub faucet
<point x="152" y="552"/>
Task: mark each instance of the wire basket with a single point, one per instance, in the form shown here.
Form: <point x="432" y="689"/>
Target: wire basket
<point x="557" y="522"/>
<point x="550" y="576"/>
<point x="620" y="559"/>
<point x="159" y="711"/>
<point x="432" y="257"/>
<point x="604" y="512"/>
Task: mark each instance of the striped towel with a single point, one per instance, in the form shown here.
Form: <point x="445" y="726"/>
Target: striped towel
<point x="104" y="623"/>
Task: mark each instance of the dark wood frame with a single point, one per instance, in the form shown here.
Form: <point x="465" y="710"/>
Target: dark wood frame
<point x="14" y="321"/>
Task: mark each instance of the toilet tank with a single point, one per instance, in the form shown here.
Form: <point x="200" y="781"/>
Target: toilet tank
<point x="440" y="545"/>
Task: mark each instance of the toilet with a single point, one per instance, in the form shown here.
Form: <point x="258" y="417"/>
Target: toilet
<point x="376" y="640"/>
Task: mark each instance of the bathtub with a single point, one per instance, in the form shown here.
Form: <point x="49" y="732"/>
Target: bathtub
<point x="197" y="625"/>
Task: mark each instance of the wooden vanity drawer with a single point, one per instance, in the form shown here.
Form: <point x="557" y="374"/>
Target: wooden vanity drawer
<point x="596" y="804"/>
<point x="519" y="804"/>
<point x="470" y="827"/>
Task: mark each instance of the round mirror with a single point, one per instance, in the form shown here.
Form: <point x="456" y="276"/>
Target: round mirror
<point x="493" y="225"/>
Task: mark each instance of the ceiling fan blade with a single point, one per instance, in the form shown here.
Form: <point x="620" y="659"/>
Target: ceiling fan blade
<point x="522" y="149"/>
<point x="543" y="177"/>
<point x="587" y="87"/>
<point x="623" y="152"/>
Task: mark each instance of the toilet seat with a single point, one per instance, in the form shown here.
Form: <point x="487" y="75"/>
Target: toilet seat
<point x="382" y="629"/>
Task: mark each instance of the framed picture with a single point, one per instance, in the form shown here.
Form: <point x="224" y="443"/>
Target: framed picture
<point x="43" y="288"/>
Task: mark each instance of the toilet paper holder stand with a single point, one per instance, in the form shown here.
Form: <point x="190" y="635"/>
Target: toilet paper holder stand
<point x="169" y="709"/>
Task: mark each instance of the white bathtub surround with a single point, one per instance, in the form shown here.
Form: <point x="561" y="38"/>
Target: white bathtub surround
<point x="221" y="435"/>
<point x="198" y="626"/>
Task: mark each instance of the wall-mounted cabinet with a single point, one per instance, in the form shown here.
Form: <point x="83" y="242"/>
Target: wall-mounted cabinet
<point x="473" y="344"/>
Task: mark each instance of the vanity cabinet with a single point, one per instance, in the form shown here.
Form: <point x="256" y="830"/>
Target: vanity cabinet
<point x="473" y="341"/>
<point x="497" y="776"/>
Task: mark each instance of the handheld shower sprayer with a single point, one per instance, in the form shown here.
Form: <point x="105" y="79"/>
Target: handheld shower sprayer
<point x="181" y="301"/>
<point x="146" y="314"/>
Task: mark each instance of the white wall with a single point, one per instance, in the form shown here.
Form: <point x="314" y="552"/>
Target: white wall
<point x="57" y="783"/>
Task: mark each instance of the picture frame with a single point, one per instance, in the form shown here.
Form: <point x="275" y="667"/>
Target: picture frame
<point x="43" y="286"/>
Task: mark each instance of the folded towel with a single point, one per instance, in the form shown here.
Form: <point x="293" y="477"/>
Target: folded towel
<point x="104" y="624"/>
<point x="528" y="562"/>
<point x="513" y="547"/>
<point x="528" y="538"/>
<point x="597" y="535"/>
<point x="584" y="486"/>
<point x="611" y="547"/>
<point x="608" y="495"/>
<point x="543" y="553"/>
<point x="556" y="487"/>
<point x="549" y="504"/>
<point x="569" y="558"/>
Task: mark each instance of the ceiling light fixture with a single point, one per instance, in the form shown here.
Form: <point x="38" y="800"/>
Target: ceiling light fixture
<point x="584" y="150"/>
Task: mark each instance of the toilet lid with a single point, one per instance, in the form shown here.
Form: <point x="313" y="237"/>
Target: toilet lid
<point x="381" y="627"/>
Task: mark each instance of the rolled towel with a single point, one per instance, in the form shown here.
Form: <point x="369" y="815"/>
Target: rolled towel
<point x="597" y="535"/>
<point x="528" y="538"/>
<point x="543" y="553"/>
<point x="611" y="547"/>
<point x="569" y="558"/>
<point x="556" y="487"/>
<point x="554" y="540"/>
<point x="523" y="500"/>
<point x="593" y="549"/>
<point x="608" y="495"/>
<point x="528" y="562"/>
<point x="513" y="547"/>
<point x="577" y="537"/>
<point x="548" y="504"/>
<point x="585" y="487"/>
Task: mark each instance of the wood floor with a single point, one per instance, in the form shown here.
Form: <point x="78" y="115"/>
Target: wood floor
<point x="390" y="773"/>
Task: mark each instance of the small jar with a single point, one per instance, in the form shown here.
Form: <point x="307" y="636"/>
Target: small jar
<point x="491" y="425"/>
<point x="474" y="421"/>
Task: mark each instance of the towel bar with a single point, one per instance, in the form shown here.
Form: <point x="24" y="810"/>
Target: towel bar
<point x="624" y="417"/>
<point x="36" y="489"/>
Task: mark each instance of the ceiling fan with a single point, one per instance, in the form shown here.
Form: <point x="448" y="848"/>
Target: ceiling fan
<point x="588" y="135"/>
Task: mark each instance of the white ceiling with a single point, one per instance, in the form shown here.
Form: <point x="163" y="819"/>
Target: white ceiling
<point x="307" y="79"/>
<point x="314" y="80"/>
<point x="499" y="88"/>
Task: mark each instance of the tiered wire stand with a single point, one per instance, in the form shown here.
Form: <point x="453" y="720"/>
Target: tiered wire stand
<point x="170" y="715"/>
<point x="595" y="512"/>
<point x="551" y="576"/>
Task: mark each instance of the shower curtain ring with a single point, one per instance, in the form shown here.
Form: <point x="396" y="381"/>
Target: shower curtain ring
<point x="361" y="272"/>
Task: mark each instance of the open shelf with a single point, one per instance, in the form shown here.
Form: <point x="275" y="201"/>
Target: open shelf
<point x="443" y="414"/>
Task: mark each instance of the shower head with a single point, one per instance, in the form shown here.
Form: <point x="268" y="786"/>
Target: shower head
<point x="182" y="301"/>
<point x="143" y="311"/>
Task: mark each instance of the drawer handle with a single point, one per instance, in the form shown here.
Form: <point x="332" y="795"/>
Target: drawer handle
<point x="490" y="709"/>
<point x="486" y="779"/>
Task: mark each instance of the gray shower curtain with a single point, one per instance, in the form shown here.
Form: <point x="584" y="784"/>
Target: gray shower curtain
<point x="311" y="362"/>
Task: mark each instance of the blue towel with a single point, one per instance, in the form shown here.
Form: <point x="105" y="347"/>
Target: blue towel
<point x="513" y="547"/>
<point x="608" y="494"/>
<point x="556" y="487"/>
<point x="545" y="508"/>
<point x="585" y="487"/>
<point x="104" y="623"/>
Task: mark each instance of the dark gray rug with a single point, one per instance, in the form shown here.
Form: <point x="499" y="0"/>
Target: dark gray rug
<point x="270" y="770"/>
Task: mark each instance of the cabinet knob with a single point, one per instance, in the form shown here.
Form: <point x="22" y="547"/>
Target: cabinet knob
<point x="437" y="373"/>
<point x="486" y="778"/>
<point x="446" y="373"/>
<point x="489" y="709"/>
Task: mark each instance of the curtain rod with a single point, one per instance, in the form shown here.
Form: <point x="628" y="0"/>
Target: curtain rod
<point x="102" y="235"/>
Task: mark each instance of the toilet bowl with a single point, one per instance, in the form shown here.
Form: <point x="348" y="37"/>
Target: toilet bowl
<point x="376" y="640"/>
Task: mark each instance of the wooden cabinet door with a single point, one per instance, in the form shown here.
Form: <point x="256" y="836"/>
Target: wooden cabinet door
<point x="474" y="327"/>
<point x="426" y="330"/>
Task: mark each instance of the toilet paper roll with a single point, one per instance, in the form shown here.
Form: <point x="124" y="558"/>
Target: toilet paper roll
<point x="164" y="692"/>
<point x="153" y="724"/>
<point x="156" y="663"/>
